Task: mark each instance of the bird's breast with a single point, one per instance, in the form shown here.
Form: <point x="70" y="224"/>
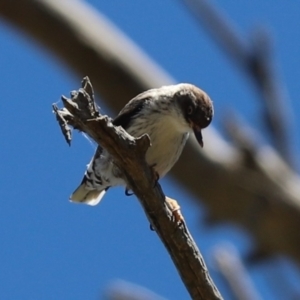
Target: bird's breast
<point x="167" y="141"/>
<point x="165" y="151"/>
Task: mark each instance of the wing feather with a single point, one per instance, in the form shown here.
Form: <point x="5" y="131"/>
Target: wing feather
<point x="132" y="108"/>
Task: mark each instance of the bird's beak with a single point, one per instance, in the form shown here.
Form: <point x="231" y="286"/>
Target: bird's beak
<point x="198" y="135"/>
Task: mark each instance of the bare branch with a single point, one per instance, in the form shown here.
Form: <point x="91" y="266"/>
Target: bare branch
<point x="265" y="200"/>
<point x="129" y="156"/>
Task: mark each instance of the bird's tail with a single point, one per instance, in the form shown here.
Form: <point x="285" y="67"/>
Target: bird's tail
<point x="87" y="196"/>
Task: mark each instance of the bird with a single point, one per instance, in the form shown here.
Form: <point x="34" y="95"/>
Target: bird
<point x="168" y="114"/>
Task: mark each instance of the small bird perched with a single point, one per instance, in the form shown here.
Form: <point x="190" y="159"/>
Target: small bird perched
<point x="167" y="114"/>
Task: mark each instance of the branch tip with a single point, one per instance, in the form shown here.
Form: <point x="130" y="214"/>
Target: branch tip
<point x="87" y="86"/>
<point x="63" y="123"/>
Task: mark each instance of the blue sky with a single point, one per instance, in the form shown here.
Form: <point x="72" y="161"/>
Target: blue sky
<point x="52" y="249"/>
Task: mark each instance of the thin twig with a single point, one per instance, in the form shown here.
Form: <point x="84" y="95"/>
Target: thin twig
<point x="129" y="156"/>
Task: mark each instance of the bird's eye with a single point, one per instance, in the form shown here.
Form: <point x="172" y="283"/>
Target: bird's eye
<point x="190" y="110"/>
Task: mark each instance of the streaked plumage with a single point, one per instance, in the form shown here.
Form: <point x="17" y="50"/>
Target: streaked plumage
<point x="167" y="114"/>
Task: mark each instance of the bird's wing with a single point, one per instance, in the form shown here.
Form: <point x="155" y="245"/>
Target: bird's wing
<point x="131" y="109"/>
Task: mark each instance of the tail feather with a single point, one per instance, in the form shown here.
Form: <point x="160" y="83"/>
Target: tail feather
<point x="84" y="195"/>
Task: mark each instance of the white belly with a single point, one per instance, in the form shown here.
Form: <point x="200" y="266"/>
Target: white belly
<point x="165" y="151"/>
<point x="167" y="143"/>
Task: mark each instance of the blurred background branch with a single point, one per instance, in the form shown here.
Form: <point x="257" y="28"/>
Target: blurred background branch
<point x="253" y="196"/>
<point x="122" y="290"/>
<point x="230" y="265"/>
<point x="254" y="57"/>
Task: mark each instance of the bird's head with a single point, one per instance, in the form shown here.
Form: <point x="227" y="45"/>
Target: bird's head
<point x="196" y="107"/>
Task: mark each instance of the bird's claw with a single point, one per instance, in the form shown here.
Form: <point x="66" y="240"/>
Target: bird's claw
<point x="127" y="193"/>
